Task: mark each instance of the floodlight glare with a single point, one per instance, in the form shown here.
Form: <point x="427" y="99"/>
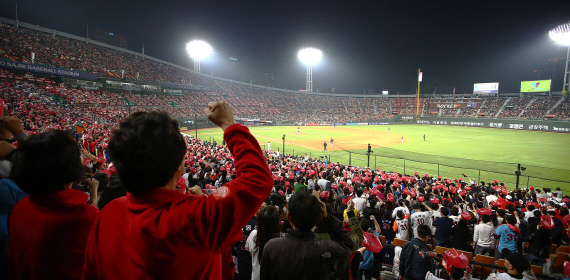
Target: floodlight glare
<point x="561" y="34"/>
<point x="310" y="56"/>
<point x="198" y="49"/>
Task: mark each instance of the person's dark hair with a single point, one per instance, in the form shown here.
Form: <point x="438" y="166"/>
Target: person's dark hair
<point x="400" y="214"/>
<point x="537" y="214"/>
<point x="510" y="207"/>
<point x="345" y="191"/>
<point x="423" y="231"/>
<point x="46" y="162"/>
<point x="305" y="210"/>
<point x="486" y="218"/>
<point x="511" y="219"/>
<point x="457" y="273"/>
<point x="268" y="226"/>
<point x="114" y="190"/>
<point x="444" y="211"/>
<point x="454" y="211"/>
<point x="365" y="224"/>
<point x="530" y="208"/>
<point x="147" y="149"/>
<point x="372" y="201"/>
<point x="103" y="181"/>
<point x="417" y="206"/>
<point x="494" y="219"/>
<point x="501" y="212"/>
<point x="359" y="192"/>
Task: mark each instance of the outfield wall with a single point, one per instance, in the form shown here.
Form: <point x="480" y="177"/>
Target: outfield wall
<point x="553" y="126"/>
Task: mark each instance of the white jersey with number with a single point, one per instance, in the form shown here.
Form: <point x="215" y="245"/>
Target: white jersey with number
<point x="420" y="218"/>
<point x="435" y="215"/>
<point x="403" y="229"/>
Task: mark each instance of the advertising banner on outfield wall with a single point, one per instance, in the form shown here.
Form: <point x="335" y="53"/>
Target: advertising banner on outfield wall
<point x="505" y="124"/>
<point x="311" y="124"/>
<point x="471" y="104"/>
<point x="46" y="69"/>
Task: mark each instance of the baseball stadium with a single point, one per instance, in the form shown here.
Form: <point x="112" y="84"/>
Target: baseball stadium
<point x="116" y="163"/>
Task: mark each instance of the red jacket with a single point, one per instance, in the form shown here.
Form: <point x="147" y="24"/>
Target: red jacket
<point x="164" y="234"/>
<point x="48" y="235"/>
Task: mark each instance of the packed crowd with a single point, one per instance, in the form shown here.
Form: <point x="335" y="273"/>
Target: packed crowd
<point x="275" y="214"/>
<point x="19" y="43"/>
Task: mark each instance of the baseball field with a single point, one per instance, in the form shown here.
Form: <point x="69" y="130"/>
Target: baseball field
<point x="483" y="154"/>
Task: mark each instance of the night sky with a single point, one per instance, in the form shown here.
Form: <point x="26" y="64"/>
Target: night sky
<point x="367" y="45"/>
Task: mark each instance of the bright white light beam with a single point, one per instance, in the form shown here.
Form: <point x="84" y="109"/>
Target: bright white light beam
<point x="198" y="49"/>
<point x="310" y="56"/>
<point x="561" y="34"/>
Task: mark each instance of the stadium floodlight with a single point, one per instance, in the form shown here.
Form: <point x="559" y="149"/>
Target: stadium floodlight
<point x="561" y="35"/>
<point x="310" y="56"/>
<point x="198" y="50"/>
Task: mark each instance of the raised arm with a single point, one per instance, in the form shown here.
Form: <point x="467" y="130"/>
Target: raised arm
<point x="221" y="216"/>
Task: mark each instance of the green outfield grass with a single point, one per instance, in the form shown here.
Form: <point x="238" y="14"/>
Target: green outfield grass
<point x="480" y="153"/>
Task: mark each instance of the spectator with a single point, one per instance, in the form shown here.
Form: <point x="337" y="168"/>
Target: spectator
<point x="148" y="152"/>
<point x="482" y="237"/>
<point x="516" y="265"/>
<point x="52" y="211"/>
<point x="298" y="255"/>
<point x="415" y="261"/>
<point x="508" y="235"/>
<point x="443" y="227"/>
<point x="268" y="227"/>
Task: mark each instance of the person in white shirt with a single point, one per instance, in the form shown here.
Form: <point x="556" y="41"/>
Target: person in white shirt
<point x="402" y="223"/>
<point x="491" y="197"/>
<point x="420" y="217"/>
<point x="483" y="235"/>
<point x="359" y="201"/>
<point x="401" y="207"/>
<point x="268" y="227"/>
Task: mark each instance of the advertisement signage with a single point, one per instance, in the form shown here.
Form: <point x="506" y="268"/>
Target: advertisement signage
<point x="486" y="88"/>
<point x="46" y="70"/>
<point x="535" y="86"/>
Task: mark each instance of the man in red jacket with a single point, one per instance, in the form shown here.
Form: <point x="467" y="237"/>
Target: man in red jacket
<point x="156" y="232"/>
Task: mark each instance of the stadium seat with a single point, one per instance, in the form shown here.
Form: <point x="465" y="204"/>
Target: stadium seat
<point x="477" y="269"/>
<point x="399" y="242"/>
<point x="562" y="249"/>
<point x="501" y="262"/>
<point x="558" y="261"/>
<point x="536" y="269"/>
<point x="440" y="250"/>
<point x="383" y="239"/>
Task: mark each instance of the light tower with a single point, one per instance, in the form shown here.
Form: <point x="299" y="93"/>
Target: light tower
<point x="310" y="56"/>
<point x="198" y="50"/>
<point x="561" y="35"/>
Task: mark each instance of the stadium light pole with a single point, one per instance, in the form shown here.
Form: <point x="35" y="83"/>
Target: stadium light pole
<point x="561" y="35"/>
<point x="310" y="56"/>
<point x="198" y="50"/>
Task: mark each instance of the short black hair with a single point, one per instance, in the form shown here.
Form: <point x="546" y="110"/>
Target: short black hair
<point x="147" y="149"/>
<point x="486" y="218"/>
<point x="46" y="162"/>
<point x="305" y="210"/>
<point x="365" y="224"/>
<point x="359" y="192"/>
<point x="511" y="219"/>
<point x="424" y="231"/>
<point x="444" y="211"/>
